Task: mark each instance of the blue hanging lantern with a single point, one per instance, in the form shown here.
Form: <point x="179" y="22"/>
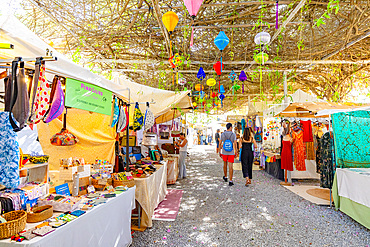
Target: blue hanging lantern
<point x="222" y="89"/>
<point x="221" y="41"/>
<point x="201" y="74"/>
<point x="221" y="97"/>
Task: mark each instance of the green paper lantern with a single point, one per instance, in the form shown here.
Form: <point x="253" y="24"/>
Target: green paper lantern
<point x="261" y="58"/>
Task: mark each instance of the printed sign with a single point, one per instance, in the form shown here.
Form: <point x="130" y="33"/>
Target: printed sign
<point x="62" y="189"/>
<point x="86" y="96"/>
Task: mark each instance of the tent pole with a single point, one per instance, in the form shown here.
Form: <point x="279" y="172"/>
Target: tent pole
<point x="128" y="133"/>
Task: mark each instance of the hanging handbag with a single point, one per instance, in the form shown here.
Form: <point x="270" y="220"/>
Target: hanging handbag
<point x="64" y="137"/>
<point x="57" y="101"/>
<point x="138" y="118"/>
<point x="149" y="118"/>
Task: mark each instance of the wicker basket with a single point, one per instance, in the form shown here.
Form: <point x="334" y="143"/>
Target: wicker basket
<point x="47" y="212"/>
<point x="95" y="183"/>
<point x="16" y="222"/>
<point x="128" y="183"/>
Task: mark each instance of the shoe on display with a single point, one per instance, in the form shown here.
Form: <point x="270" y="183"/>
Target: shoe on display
<point x="225" y="178"/>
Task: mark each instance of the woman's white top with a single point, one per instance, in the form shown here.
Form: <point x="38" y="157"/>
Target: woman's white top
<point x="184" y="148"/>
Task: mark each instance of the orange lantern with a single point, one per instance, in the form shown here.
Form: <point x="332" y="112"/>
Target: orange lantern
<point x="199" y="87"/>
<point x="170" y="20"/>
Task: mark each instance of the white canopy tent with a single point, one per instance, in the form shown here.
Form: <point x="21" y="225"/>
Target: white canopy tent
<point x="28" y="45"/>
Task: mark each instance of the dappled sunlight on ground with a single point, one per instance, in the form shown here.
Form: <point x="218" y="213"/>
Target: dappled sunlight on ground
<point x="263" y="214"/>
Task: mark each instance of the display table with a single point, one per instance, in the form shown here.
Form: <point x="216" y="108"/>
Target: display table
<point x="108" y="224"/>
<point x="172" y="168"/>
<point x="351" y="193"/>
<point x="150" y="191"/>
<point x="274" y="168"/>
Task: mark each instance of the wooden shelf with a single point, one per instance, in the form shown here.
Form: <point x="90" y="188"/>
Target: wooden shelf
<point x="28" y="166"/>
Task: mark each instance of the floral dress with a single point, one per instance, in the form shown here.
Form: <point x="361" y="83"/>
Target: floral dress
<point x="9" y="153"/>
<point x="299" y="151"/>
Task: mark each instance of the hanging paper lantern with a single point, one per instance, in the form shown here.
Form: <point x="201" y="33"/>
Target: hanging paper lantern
<point x="221" y="41"/>
<point x="211" y="82"/>
<point x="181" y="81"/>
<point x="213" y="95"/>
<point x="175" y="60"/>
<point x="170" y="20"/>
<point x="198" y="87"/>
<point x="222" y="89"/>
<point x="193" y="7"/>
<point x="236" y="87"/>
<point x="195" y="104"/>
<point x="242" y="76"/>
<point x="232" y="76"/>
<point x="201" y="75"/>
<point x="221" y="97"/>
<point x="262" y="38"/>
<point x="202" y="95"/>
<point x="261" y="58"/>
<point x="217" y="67"/>
<point x="209" y="105"/>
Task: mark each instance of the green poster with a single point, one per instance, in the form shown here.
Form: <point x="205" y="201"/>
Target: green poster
<point x="88" y="97"/>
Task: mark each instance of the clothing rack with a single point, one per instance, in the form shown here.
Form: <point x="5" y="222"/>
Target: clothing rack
<point x="20" y="59"/>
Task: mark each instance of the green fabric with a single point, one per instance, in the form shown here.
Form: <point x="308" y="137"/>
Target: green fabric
<point x="356" y="211"/>
<point x="351" y="130"/>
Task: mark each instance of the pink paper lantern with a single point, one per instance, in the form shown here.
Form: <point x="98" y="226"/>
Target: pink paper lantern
<point x="193" y="7"/>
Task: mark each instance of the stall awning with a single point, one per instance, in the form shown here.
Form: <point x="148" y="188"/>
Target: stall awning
<point x="28" y="45"/>
<point x="308" y="109"/>
<point x="166" y="102"/>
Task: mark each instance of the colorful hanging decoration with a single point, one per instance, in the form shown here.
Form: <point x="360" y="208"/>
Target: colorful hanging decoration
<point x="242" y="78"/>
<point x="277" y="15"/>
<point x="261" y="58"/>
<point x="201" y="74"/>
<point x="221" y="92"/>
<point x="199" y="87"/>
<point x="232" y="77"/>
<point x="211" y="82"/>
<point x="175" y="61"/>
<point x="221" y="41"/>
<point x="217" y="67"/>
<point x="181" y="81"/>
<point x="170" y="20"/>
<point x="193" y="7"/>
<point x="262" y="38"/>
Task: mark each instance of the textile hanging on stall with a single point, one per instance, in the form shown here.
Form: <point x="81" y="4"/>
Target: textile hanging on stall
<point x="327" y="161"/>
<point x="299" y="151"/>
<point x="351" y="134"/>
<point x="8" y="87"/>
<point x="287" y="156"/>
<point x="115" y="113"/>
<point x="41" y="104"/>
<point x="9" y="153"/>
<point x="149" y="118"/>
<point x="138" y="118"/>
<point x="21" y="106"/>
<point x="243" y="123"/>
<point x="57" y="102"/>
<point x="318" y="133"/>
<point x="307" y="131"/>
<point x="310" y="151"/>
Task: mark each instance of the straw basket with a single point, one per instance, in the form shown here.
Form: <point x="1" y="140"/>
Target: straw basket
<point x="16" y="222"/>
<point x="95" y="183"/>
<point x="128" y="183"/>
<point x="45" y="213"/>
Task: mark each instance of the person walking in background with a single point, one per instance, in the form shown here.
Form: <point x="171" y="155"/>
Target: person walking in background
<point x="217" y="138"/>
<point x="182" y="145"/>
<point x="228" y="148"/>
<point x="247" y="155"/>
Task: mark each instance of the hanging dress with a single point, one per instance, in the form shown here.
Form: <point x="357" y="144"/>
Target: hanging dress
<point x="327" y="164"/>
<point x="287" y="156"/>
<point x="299" y="151"/>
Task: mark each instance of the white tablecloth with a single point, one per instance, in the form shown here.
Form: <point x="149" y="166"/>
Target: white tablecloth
<point x="150" y="192"/>
<point x="354" y="184"/>
<point x="172" y="168"/>
<point x="108" y="224"/>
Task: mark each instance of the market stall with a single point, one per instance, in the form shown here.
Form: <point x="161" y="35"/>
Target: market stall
<point x="105" y="225"/>
<point x="150" y="191"/>
<point x="350" y="193"/>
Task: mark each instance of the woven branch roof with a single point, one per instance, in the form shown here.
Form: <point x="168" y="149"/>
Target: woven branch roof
<point x="128" y="36"/>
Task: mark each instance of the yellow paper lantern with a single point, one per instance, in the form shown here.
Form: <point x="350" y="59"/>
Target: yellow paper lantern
<point x="195" y="104"/>
<point x="211" y="82"/>
<point x="170" y="20"/>
<point x="199" y="87"/>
